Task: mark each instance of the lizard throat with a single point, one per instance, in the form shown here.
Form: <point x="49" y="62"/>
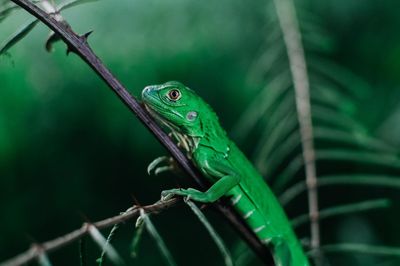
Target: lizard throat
<point x="184" y="141"/>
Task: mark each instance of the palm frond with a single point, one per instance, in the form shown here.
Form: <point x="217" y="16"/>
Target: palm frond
<point x="368" y="180"/>
<point x="350" y="208"/>
<point x="361" y="248"/>
<point x="317" y="97"/>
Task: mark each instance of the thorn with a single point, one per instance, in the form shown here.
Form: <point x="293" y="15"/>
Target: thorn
<point x="85" y="36"/>
<point x="70" y="49"/>
<point x="136" y="201"/>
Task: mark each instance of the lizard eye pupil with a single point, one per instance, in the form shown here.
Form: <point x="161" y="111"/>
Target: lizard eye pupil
<point x="174" y="94"/>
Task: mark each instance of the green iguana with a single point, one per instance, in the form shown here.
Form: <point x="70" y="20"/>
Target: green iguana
<point x="195" y="125"/>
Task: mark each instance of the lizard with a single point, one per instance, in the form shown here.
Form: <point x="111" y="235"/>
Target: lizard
<point x="197" y="129"/>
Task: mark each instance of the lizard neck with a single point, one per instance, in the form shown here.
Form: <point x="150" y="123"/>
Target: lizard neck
<point x="214" y="137"/>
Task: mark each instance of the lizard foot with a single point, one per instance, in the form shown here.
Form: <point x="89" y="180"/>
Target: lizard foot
<point x="191" y="193"/>
<point x="155" y="165"/>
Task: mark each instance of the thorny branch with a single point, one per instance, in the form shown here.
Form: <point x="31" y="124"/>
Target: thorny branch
<point x="79" y="45"/>
<point x="37" y="249"/>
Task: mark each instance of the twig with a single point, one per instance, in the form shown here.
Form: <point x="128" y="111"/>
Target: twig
<point x="79" y="45"/>
<point x="292" y="38"/>
<point x="36" y="250"/>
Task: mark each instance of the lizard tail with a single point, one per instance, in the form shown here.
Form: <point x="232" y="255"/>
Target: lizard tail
<point x="288" y="254"/>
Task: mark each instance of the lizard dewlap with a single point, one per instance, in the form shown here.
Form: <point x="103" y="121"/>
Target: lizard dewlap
<point x="195" y="126"/>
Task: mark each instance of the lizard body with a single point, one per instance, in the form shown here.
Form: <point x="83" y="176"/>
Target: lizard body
<point x="196" y="126"/>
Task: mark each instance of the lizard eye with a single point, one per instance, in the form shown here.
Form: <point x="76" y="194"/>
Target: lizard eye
<point x="174" y="95"/>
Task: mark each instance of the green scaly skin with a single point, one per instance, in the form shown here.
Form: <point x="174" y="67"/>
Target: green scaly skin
<point x="195" y="125"/>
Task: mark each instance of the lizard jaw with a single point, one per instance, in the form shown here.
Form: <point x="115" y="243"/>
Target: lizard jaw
<point x="184" y="141"/>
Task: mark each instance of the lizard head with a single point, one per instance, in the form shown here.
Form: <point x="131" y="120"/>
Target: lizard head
<point x="177" y="107"/>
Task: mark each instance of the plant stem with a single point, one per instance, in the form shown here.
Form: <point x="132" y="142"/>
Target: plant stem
<point x="292" y="38"/>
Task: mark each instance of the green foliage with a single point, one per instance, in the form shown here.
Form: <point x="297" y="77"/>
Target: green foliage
<point x="360" y="248"/>
<point x="105" y="246"/>
<point x="217" y="239"/>
<point x="157" y="238"/>
<point x="17" y="36"/>
<point x="346" y="209"/>
<point x="113" y="231"/>
<point x="67" y="144"/>
<point x="339" y="138"/>
<point x="43" y="260"/>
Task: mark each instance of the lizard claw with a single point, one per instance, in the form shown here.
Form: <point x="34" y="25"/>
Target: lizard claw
<point x="168" y="194"/>
<point x="166" y="197"/>
<point x="163" y="169"/>
<point x="154" y="165"/>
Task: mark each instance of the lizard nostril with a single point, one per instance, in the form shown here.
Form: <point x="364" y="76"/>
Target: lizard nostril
<point x="146" y="90"/>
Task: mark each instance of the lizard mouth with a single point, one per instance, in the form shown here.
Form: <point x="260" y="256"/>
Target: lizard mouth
<point x="154" y="112"/>
<point x="182" y="140"/>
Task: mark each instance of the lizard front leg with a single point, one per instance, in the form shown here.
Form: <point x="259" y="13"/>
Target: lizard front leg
<point x="170" y="163"/>
<point x="216" y="191"/>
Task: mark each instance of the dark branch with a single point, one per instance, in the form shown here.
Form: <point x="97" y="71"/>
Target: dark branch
<point x="78" y="44"/>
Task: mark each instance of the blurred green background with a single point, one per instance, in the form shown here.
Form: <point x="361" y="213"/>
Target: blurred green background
<point x="70" y="151"/>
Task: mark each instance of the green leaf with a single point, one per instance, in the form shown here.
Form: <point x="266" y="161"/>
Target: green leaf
<point x="43" y="260"/>
<point x="82" y="252"/>
<point x="71" y="3"/>
<point x="217" y="239"/>
<point x="334" y="118"/>
<point x="362" y="248"/>
<point x="262" y="103"/>
<point x="352" y="139"/>
<point x="342" y="210"/>
<point x="104" y="245"/>
<point x="274" y="158"/>
<point x="349" y="82"/>
<point x="279" y="133"/>
<point x="386" y="181"/>
<point x="114" y="229"/>
<point x="136" y="240"/>
<point x="16" y="37"/>
<point x="332" y="98"/>
<point x="344" y="155"/>
<point x="160" y="242"/>
<point x="6" y="11"/>
<point x="21" y="33"/>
